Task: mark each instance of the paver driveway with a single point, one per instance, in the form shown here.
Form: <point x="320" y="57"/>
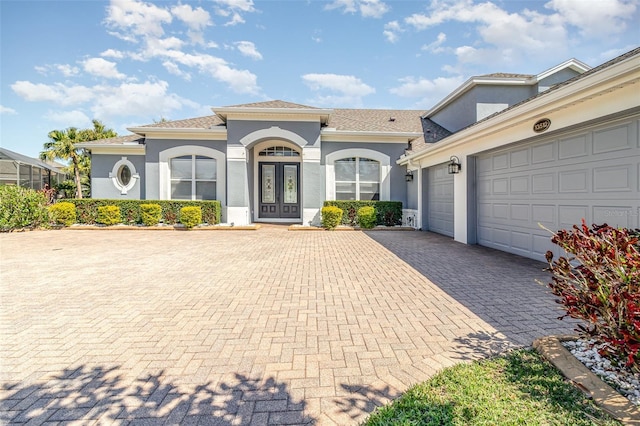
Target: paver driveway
<point x="251" y="327"/>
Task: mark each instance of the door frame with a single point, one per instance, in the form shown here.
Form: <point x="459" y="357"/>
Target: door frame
<point x="256" y="177"/>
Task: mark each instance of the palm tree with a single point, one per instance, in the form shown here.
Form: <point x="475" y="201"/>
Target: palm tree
<point x="62" y="145"/>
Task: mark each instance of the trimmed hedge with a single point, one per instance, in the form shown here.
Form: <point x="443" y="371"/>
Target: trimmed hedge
<point x="367" y="217"/>
<point x="191" y="216"/>
<point x="109" y="215"/>
<point x="131" y="213"/>
<point x="331" y="216"/>
<point x="150" y="214"/>
<point x="63" y="213"/>
<point x="388" y="213"/>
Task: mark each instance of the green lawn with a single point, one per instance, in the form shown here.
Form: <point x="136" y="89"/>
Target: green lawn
<point x="519" y="388"/>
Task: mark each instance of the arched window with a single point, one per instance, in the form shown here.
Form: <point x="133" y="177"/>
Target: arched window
<point x="193" y="177"/>
<point x="357" y="178"/>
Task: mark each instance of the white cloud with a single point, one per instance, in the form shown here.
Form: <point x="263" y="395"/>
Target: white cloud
<point x="391" y="30"/>
<point x="436" y="46"/>
<point x="136" y="99"/>
<point x="65" y="69"/>
<point x="73" y="118"/>
<point x="196" y="19"/>
<point x="102" y="68"/>
<point x="367" y="8"/>
<point x="172" y="68"/>
<point x="595" y="18"/>
<point x="58" y="93"/>
<point x="247" y="48"/>
<point x="503" y="35"/>
<point x="429" y="91"/>
<point x="112" y="53"/>
<point x="130" y="18"/>
<point x="235" y="9"/>
<point x="7" y="110"/>
<point x="348" y="89"/>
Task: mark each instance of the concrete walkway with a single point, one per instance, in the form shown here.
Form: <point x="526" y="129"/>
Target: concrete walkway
<point x="249" y="327"/>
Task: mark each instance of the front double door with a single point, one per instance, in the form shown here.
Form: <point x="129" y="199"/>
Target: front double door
<point x="279" y="196"/>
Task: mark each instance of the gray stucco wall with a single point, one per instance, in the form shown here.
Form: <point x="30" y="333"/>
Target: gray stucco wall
<point x="155" y="146"/>
<point x="101" y="184"/>
<point x="398" y="189"/>
<point x="463" y="111"/>
<point x="236" y="130"/>
<point x="558" y="77"/>
<point x="412" y="192"/>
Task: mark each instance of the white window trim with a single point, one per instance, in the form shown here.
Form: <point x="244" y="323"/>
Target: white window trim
<point x="113" y="174"/>
<point x="385" y="170"/>
<point x="164" y="169"/>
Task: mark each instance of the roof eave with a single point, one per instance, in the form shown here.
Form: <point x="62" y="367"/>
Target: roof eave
<point x="318" y="114"/>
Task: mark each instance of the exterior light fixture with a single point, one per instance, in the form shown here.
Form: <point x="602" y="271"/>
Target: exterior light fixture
<point x="409" y="176"/>
<point x="454" y="165"/>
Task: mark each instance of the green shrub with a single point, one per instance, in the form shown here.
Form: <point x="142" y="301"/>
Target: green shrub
<point x="22" y="208"/>
<point x="109" y="215"/>
<point x="190" y="216"/>
<point x="87" y="209"/>
<point x="367" y="217"/>
<point x="600" y="284"/>
<point x="388" y="213"/>
<point x="150" y="214"/>
<point x="331" y="217"/>
<point x="63" y="213"/>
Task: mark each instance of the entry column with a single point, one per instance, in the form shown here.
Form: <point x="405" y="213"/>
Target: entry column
<point x="238" y="208"/>
<point x="313" y="183"/>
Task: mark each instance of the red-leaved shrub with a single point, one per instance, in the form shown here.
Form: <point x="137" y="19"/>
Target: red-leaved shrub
<point x="600" y="284"/>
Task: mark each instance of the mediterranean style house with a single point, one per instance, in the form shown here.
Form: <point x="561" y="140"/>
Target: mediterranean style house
<point x="494" y="162"/>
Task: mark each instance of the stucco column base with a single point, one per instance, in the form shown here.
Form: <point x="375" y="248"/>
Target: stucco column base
<point x="580" y="376"/>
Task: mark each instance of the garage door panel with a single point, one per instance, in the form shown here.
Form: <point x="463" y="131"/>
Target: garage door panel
<point x="593" y="175"/>
<point x="573" y="147"/>
<point x="440" y="200"/>
<point x="612" y="139"/>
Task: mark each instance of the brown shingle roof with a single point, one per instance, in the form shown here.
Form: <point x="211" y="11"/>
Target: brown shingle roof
<point x="276" y="103"/>
<point x="206" y="122"/>
<point x="376" y="120"/>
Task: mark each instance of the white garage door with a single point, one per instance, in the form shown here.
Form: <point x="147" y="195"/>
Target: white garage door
<point x="593" y="174"/>
<point x="440" y="200"/>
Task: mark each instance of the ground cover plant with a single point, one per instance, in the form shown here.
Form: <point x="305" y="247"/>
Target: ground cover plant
<point x="600" y="283"/>
<point x="519" y="388"/>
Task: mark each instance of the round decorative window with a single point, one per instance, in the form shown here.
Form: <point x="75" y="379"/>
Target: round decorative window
<point x="124" y="175"/>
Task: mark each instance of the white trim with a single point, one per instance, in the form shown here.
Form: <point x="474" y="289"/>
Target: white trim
<point x="256" y="174"/>
<point x="133" y="149"/>
<point x="164" y="173"/>
<point x="334" y="135"/>
<point x="271" y="114"/>
<point x="113" y="174"/>
<point x="215" y="134"/>
<point x="273" y="132"/>
<point x="385" y="170"/>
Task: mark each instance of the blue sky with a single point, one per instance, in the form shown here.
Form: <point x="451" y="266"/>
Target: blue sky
<point x="130" y="63"/>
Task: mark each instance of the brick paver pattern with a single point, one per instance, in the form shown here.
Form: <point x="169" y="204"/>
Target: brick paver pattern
<point x="249" y="327"/>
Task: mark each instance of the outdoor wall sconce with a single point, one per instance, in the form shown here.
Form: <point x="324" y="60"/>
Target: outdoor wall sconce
<point x="454" y="165"/>
<point x="409" y="176"/>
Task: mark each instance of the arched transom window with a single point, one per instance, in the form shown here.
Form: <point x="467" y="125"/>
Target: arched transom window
<point x="279" y="151"/>
<point x="193" y="177"/>
<point x="357" y="178"/>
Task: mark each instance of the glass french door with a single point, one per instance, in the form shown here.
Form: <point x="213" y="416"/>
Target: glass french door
<point x="279" y="196"/>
